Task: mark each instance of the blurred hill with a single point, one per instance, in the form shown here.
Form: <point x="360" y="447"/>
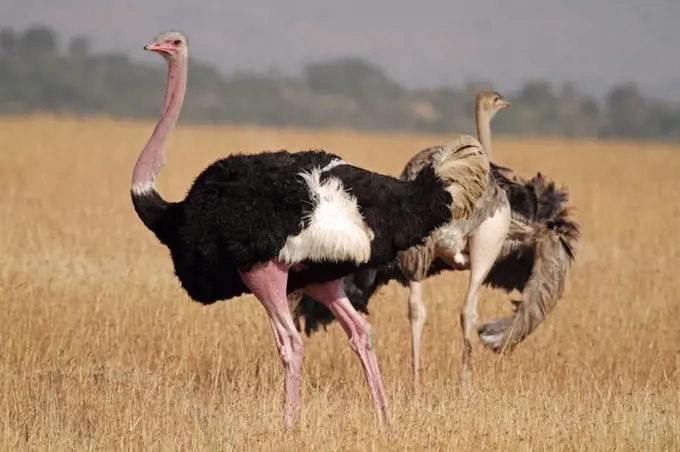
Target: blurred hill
<point x="38" y="72"/>
<point x="592" y="43"/>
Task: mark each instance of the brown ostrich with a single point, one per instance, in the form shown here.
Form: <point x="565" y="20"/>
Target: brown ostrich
<point x="534" y="256"/>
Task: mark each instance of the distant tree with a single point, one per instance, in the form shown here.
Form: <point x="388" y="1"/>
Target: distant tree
<point x="538" y="94"/>
<point x="353" y="77"/>
<point x="8" y="41"/>
<point x="39" y="41"/>
<point x="79" y="47"/>
<point x="627" y="109"/>
<point x="669" y="124"/>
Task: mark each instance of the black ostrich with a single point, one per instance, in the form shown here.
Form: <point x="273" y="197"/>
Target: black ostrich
<point x="275" y="222"/>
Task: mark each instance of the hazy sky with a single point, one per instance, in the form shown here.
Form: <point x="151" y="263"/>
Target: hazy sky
<point x="425" y="42"/>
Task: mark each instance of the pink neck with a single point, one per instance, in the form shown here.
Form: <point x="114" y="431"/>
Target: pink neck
<point x="152" y="157"/>
<point x="169" y="86"/>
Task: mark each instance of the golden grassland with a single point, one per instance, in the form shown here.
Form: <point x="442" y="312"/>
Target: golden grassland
<point x="102" y="350"/>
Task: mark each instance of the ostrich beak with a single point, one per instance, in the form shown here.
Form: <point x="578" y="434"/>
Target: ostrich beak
<point x="155" y="47"/>
<point x="504" y="104"/>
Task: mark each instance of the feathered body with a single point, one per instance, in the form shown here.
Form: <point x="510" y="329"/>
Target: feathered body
<point x="448" y="243"/>
<point x="247" y="209"/>
<point x="535" y="259"/>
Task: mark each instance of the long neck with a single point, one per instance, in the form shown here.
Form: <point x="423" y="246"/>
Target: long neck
<point x="152" y="157"/>
<point x="167" y="97"/>
<point x="483" y="120"/>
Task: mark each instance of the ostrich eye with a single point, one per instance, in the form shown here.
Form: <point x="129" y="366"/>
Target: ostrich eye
<point x="496" y="99"/>
<point x="176" y="42"/>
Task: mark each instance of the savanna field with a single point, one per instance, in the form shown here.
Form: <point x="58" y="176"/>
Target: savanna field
<point x="102" y="350"/>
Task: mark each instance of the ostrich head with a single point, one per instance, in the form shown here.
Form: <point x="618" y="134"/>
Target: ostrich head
<point x="491" y="102"/>
<point x="172" y="45"/>
<point x="488" y="104"/>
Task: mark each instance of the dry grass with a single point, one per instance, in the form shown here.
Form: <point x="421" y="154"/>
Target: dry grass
<point x="101" y="349"/>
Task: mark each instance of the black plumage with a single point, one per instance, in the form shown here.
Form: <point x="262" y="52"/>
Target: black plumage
<point x="397" y="211"/>
<point x="241" y="209"/>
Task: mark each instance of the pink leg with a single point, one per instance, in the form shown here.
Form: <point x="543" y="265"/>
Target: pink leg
<point x="268" y="283"/>
<point x="360" y="335"/>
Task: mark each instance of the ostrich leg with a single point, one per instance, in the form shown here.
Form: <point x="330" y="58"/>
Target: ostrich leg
<point x="268" y="283"/>
<point x="360" y="335"/>
<point x="485" y="244"/>
<point x="417" y="315"/>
